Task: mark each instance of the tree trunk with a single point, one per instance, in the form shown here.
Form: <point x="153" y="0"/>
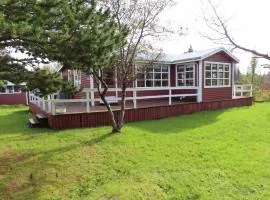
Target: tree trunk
<point x="108" y="106"/>
<point x="122" y="109"/>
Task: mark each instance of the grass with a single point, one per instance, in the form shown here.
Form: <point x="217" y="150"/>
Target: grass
<point x="221" y="154"/>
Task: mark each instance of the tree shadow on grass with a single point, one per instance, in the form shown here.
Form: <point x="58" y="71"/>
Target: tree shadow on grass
<point x="178" y="124"/>
<point x="14" y="163"/>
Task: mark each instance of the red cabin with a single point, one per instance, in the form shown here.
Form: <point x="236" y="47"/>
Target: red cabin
<point x="196" y="79"/>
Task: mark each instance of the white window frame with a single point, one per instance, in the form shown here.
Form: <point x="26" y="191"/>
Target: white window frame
<point x="185" y="65"/>
<point x="217" y="86"/>
<point x="153" y="78"/>
<point x="13" y="91"/>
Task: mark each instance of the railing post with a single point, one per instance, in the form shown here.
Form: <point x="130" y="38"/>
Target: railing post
<point x="251" y="90"/>
<point x="234" y="91"/>
<point x="170" y="96"/>
<point x="43" y="104"/>
<point x="87" y="102"/>
<point x="134" y="97"/>
<point x="49" y="104"/>
<point x="53" y="105"/>
<point x="242" y="87"/>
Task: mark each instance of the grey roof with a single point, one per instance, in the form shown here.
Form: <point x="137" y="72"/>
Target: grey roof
<point x="197" y="55"/>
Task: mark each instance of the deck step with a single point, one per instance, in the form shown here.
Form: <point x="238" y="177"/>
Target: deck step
<point x="41" y="116"/>
<point x="33" y="122"/>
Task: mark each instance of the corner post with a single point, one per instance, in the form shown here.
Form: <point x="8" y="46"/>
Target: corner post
<point x="92" y="92"/>
<point x="135" y="97"/>
<point x="200" y="81"/>
<point x="170" y="96"/>
<point x="53" y="105"/>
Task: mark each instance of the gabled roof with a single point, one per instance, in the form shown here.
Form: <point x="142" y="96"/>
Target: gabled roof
<point x="199" y="55"/>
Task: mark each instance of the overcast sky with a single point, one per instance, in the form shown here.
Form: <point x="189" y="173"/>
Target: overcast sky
<point x="248" y="25"/>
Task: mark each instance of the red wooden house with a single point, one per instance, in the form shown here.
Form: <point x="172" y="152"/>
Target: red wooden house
<point x="201" y="80"/>
<point x="12" y="94"/>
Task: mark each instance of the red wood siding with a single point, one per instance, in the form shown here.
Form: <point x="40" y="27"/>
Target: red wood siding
<point x="102" y="118"/>
<point x="13" y="99"/>
<point x="173" y="75"/>
<point x="212" y="94"/>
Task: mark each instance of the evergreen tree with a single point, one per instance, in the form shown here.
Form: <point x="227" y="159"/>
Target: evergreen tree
<point x="74" y="33"/>
<point x="190" y="49"/>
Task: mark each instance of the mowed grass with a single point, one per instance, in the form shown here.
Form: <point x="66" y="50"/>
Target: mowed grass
<point x="221" y="154"/>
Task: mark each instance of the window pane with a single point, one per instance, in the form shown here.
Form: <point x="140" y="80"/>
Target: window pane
<point x="220" y="68"/>
<point x="140" y="76"/>
<point x="214" y="74"/>
<point x="220" y="81"/>
<point x="180" y="68"/>
<point x="157" y="69"/>
<point x="214" y="67"/>
<point x="150" y="76"/>
<point x="189" y="69"/>
<point x="164" y="76"/>
<point x="189" y="82"/>
<point x="149" y="69"/>
<point x="9" y="89"/>
<point x="208" y="67"/>
<point x="227" y="68"/>
<point x="220" y="74"/>
<point x="226" y="75"/>
<point x="208" y="75"/>
<point x="165" y="83"/>
<point x="208" y="82"/>
<point x="181" y="82"/>
<point x="214" y="82"/>
<point x="165" y="68"/>
<point x="226" y="82"/>
<point x="140" y="84"/>
<point x="157" y="76"/>
<point x="157" y="83"/>
<point x="180" y="76"/>
<point x="189" y="75"/>
<point x="149" y="83"/>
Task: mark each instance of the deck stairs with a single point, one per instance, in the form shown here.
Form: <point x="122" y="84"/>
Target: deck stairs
<point x="37" y="120"/>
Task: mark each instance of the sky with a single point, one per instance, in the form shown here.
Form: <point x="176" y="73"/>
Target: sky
<point x="248" y="24"/>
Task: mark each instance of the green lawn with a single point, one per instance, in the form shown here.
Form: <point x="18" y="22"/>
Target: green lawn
<point x="211" y="155"/>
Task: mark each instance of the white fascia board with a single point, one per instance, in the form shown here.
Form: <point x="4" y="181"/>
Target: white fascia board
<point x="184" y="61"/>
<point x="155" y="62"/>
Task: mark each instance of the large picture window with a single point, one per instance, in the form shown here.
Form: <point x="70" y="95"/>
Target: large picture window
<point x="185" y="75"/>
<point x="217" y="74"/>
<point x="156" y="76"/>
<point x="10" y="89"/>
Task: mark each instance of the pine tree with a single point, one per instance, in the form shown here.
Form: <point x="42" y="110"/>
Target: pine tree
<point x="73" y="33"/>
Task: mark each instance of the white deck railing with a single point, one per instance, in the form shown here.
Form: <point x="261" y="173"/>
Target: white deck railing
<point x="243" y="90"/>
<point x="53" y="106"/>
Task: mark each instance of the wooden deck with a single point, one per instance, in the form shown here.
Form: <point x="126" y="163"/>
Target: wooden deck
<point x="146" y="111"/>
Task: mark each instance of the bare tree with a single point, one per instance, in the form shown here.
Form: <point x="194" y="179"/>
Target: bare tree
<point x="219" y="26"/>
<point x="141" y="18"/>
